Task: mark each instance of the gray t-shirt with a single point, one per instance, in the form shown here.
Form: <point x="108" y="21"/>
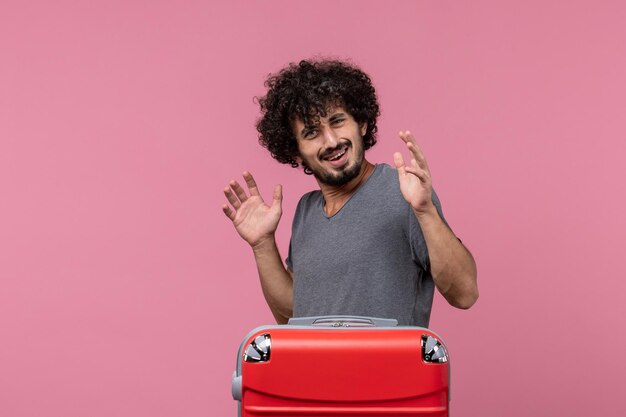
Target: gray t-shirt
<point x="369" y="259"/>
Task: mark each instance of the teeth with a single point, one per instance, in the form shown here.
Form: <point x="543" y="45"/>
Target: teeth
<point x="334" y="158"/>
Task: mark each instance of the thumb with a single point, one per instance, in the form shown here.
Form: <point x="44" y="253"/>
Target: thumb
<point x="399" y="162"/>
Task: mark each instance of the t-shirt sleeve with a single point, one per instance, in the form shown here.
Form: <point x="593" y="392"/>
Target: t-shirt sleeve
<point x="288" y="260"/>
<point x="418" y="244"/>
<point x="295" y="228"/>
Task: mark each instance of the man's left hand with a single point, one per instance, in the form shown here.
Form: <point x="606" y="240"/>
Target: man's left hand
<point x="415" y="180"/>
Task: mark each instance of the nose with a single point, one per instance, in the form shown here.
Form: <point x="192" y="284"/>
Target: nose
<point x="331" y="139"/>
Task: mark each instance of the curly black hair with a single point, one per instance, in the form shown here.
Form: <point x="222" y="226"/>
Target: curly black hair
<point x="307" y="90"/>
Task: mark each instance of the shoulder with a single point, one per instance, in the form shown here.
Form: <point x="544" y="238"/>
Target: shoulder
<point x="310" y="197"/>
<point x="384" y="181"/>
<point x="386" y="172"/>
<point x="389" y="176"/>
<point x="386" y="175"/>
<point x="381" y="193"/>
<point x="309" y="200"/>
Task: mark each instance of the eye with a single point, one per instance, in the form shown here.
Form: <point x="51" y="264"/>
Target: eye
<point x="337" y="122"/>
<point x="310" y="134"/>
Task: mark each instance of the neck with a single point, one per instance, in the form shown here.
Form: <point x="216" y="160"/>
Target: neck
<point x="336" y="196"/>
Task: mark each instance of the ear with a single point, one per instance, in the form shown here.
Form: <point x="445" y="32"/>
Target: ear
<point x="363" y="128"/>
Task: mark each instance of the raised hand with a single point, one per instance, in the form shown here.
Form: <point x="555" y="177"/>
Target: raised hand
<point x="415" y="180"/>
<point x="254" y="220"/>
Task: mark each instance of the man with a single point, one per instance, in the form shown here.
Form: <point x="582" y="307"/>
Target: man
<point x="372" y="241"/>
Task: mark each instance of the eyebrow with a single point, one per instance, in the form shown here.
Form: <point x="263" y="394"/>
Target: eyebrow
<point x="336" y="116"/>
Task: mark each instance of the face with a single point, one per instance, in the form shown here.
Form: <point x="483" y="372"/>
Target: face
<point x="332" y="149"/>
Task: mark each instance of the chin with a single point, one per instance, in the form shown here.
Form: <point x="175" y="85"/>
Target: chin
<point x="339" y="178"/>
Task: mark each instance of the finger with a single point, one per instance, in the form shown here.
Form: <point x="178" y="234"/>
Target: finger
<point x="251" y="183"/>
<point x="416" y="151"/>
<point x="230" y="213"/>
<point x="406" y="136"/>
<point x="277" y="197"/>
<point x="232" y="199"/>
<point x="417" y="171"/>
<point x="417" y="154"/>
<point x="399" y="162"/>
<point x="238" y="189"/>
<point x="413" y="147"/>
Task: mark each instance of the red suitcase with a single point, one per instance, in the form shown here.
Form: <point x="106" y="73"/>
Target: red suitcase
<point x="342" y="366"/>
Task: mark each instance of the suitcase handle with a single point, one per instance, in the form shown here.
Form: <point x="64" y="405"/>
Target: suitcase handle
<point x="342" y="321"/>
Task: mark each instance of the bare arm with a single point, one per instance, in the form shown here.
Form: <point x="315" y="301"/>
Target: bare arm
<point x="276" y="280"/>
<point x="256" y="223"/>
<point x="451" y="265"/>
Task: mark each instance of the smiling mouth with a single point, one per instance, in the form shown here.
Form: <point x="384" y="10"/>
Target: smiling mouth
<point x="339" y="155"/>
<point x="336" y="154"/>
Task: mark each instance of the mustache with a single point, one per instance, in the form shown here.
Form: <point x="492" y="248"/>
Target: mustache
<point x="335" y="149"/>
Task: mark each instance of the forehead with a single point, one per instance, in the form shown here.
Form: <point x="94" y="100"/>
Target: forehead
<point x="315" y="118"/>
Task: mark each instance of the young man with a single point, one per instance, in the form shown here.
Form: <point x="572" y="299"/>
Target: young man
<point x="372" y="241"/>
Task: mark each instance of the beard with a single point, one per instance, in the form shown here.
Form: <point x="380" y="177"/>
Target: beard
<point x="338" y="178"/>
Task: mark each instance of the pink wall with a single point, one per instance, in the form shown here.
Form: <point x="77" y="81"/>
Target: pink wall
<point x="124" y="290"/>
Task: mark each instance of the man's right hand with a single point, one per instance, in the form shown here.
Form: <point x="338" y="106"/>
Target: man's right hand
<point x="254" y="220"/>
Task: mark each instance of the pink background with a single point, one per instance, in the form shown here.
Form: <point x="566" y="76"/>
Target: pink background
<point x="125" y="291"/>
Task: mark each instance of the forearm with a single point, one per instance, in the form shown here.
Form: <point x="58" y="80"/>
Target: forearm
<point x="451" y="265"/>
<point x="276" y="280"/>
